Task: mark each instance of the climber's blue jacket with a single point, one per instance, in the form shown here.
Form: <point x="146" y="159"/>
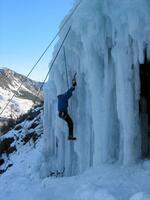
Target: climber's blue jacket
<point x="63" y="100"/>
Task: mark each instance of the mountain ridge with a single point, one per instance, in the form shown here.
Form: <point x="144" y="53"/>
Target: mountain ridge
<point x="24" y="98"/>
<point x="10" y="78"/>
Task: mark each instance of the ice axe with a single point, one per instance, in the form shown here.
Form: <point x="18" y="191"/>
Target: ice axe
<point x="74" y="82"/>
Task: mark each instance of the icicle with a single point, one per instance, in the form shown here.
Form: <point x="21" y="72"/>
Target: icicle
<point x="109" y="43"/>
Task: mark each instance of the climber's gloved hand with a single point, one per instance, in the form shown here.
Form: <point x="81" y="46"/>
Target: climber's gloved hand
<point x="74" y="83"/>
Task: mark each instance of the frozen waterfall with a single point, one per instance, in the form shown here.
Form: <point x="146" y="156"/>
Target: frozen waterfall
<point x="105" y="47"/>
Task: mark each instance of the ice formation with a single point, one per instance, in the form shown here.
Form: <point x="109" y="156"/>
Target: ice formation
<point x="105" y="47"/>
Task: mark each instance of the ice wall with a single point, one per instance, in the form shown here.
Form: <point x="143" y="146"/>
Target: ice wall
<point x="104" y="47"/>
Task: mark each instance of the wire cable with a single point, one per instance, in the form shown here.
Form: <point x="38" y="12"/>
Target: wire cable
<point x="65" y="61"/>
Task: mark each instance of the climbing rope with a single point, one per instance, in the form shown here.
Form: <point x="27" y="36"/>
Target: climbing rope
<point x="52" y="64"/>
<point x="65" y="60"/>
<point x="60" y="30"/>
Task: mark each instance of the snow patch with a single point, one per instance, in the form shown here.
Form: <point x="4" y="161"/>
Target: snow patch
<point x="141" y="196"/>
<point x="88" y="192"/>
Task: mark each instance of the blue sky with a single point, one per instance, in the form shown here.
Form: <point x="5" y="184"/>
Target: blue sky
<point x="26" y="28"/>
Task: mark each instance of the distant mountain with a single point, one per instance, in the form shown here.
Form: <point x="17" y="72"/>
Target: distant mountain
<point x="10" y="81"/>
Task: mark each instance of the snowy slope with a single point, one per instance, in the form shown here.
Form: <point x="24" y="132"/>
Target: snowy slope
<point x="23" y="100"/>
<point x="105" y="47"/>
<point x="22" y="138"/>
<point x="108" y="182"/>
<point x="22" y="179"/>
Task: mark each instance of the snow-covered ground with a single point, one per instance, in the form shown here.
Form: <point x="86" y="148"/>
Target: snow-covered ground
<point x="108" y="182"/>
<point x="24" y="179"/>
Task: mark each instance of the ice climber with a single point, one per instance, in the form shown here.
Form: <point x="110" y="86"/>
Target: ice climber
<point x="63" y="108"/>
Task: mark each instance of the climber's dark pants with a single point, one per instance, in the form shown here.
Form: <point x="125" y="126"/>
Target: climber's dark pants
<point x="67" y="118"/>
<point x="148" y="108"/>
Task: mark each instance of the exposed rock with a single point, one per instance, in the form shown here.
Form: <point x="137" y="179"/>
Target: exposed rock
<point x="4" y="170"/>
<point x="11" y="150"/>
<point x="34" y="125"/>
<point x="1" y="162"/>
<point x="5" y="145"/>
<point x="34" y="136"/>
<point x="18" y="127"/>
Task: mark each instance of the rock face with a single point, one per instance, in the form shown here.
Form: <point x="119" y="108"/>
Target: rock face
<point x="5" y="145"/>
